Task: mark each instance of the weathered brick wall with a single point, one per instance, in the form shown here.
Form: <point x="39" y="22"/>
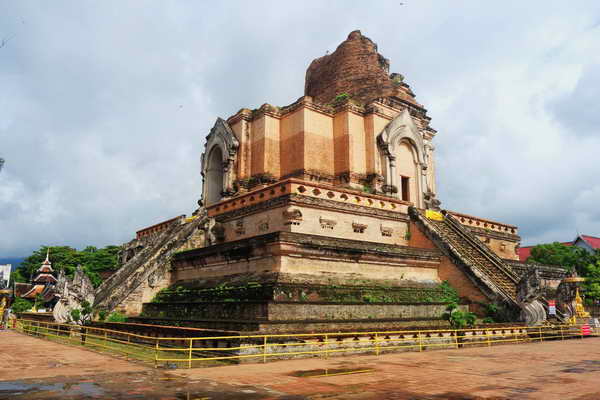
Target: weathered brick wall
<point x="418" y="238"/>
<point x="355" y="68"/>
<point x="448" y="271"/>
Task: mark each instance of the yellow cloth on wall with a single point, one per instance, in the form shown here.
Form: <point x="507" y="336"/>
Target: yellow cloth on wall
<point x="434" y="215"/>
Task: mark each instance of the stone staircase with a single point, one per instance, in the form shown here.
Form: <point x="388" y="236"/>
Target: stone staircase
<point x="488" y="270"/>
<point x="152" y="259"/>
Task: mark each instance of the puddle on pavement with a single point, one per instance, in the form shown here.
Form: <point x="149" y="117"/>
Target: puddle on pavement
<point x="582" y="367"/>
<point x="313" y="373"/>
<point x="16" y="388"/>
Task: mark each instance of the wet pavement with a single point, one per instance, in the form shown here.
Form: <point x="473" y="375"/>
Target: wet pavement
<point x="150" y="384"/>
<point x="32" y="368"/>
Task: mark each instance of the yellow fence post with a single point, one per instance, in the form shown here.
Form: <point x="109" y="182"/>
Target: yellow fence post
<point x="376" y="344"/>
<point x="190" y="354"/>
<point x="420" y="340"/>
<point x="326" y="347"/>
<point x="265" y="349"/>
<point x="487" y="337"/>
<point x="540" y="333"/>
<point x="156" y="354"/>
<point x="562" y="336"/>
<point x="456" y="338"/>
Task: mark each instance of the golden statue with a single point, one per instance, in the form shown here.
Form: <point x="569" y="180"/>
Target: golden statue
<point x="579" y="310"/>
<point x="2" y="308"/>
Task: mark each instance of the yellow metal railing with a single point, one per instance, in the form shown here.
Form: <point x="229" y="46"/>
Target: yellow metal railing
<point x="200" y="351"/>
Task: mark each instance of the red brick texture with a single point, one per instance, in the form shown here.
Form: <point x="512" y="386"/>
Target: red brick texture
<point x="418" y="238"/>
<point x="357" y="69"/>
<point x="448" y="271"/>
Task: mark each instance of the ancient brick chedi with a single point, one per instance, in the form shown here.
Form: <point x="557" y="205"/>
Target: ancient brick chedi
<point x="355" y="69"/>
<point x="319" y="215"/>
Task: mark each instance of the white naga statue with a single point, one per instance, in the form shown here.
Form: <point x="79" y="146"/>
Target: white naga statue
<point x="71" y="293"/>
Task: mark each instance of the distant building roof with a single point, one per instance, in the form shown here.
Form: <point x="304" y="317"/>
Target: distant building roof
<point x="525" y="252"/>
<point x="44" y="278"/>
<point x="46" y="266"/>
<point x="34" y="291"/>
<point x="593" y="241"/>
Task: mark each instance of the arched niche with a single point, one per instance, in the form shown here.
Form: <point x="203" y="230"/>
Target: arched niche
<point x="217" y="163"/>
<point x="402" y="150"/>
<point x="408" y="171"/>
<point x="213" y="176"/>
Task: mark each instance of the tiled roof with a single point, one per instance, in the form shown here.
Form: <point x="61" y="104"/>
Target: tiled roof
<point x="45" y="278"/>
<point x="45" y="268"/>
<point x="22" y="288"/>
<point x="525" y="252"/>
<point x="35" y="290"/>
<point x="593" y="241"/>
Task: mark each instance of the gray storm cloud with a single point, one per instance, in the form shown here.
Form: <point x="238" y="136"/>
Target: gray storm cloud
<point x="104" y="106"/>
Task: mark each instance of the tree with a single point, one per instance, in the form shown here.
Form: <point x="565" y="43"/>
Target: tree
<point x="558" y="254"/>
<point x="586" y="264"/>
<point x="94" y="261"/>
<point x="591" y="285"/>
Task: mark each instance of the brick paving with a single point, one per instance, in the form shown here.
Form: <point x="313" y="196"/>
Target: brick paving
<point x="550" y="370"/>
<point x="32" y="368"/>
<point x="27" y="356"/>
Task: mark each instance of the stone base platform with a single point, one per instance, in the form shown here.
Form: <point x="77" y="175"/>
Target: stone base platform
<point x="248" y="327"/>
<point x="296" y="317"/>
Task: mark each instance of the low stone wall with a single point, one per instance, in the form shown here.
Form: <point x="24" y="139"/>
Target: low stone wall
<point x="293" y="316"/>
<point x="162" y="330"/>
<point x="306" y="326"/>
<point x="33" y="316"/>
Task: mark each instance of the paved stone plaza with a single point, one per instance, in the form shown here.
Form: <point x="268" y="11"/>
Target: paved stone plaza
<point x="38" y="369"/>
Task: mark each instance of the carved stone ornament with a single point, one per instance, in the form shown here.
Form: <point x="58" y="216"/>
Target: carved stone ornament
<point x="153" y="279"/>
<point x="401" y="128"/>
<point x="218" y="232"/>
<point x="431" y="203"/>
<point x="71" y="293"/>
<point x="359" y="227"/>
<point x="240" y="229"/>
<point x="389" y="189"/>
<point x="222" y="135"/>
<point x="387" y="231"/>
<point x="263" y="226"/>
<point x="292" y="214"/>
<point x="327" y="223"/>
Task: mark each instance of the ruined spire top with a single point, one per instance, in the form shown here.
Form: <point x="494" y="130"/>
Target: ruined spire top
<point x="355" y="68"/>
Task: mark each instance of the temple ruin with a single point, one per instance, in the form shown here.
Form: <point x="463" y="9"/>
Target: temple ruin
<point x="322" y="214"/>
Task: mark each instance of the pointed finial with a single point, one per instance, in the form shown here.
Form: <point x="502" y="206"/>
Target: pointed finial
<point x="47" y="260"/>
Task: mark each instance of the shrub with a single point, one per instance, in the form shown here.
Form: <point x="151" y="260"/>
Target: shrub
<point x="459" y="319"/>
<point x="116" y="317"/>
<point x="82" y="315"/>
<point x="21" y="305"/>
<point x="102" y="315"/>
<point x="341" y="97"/>
<point x="450" y="295"/>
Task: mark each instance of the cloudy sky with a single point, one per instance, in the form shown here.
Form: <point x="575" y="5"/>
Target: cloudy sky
<point x="104" y="105"/>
